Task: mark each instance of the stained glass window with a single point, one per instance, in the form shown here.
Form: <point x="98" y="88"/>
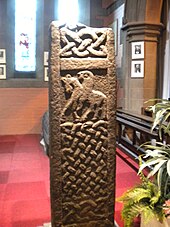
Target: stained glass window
<point x="25" y="35"/>
<point x="68" y="11"/>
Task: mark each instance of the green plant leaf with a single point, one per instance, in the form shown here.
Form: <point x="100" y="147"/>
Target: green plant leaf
<point x="156" y="168"/>
<point x="158" y="146"/>
<point x="134" y="195"/>
<point x="161" y="113"/>
<point x="149" y="197"/>
<point x="154" y="153"/>
<point x="129" y="213"/>
<point x="167" y="114"/>
<point x="144" y="198"/>
<point x="159" y="177"/>
<point x="149" y="163"/>
<point x="155" y="199"/>
<point x="158" y="118"/>
<point x="168" y="167"/>
<point x="167" y="128"/>
<point x="147" y="215"/>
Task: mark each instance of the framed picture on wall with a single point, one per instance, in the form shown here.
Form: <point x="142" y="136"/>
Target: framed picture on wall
<point x="46" y="74"/>
<point x="2" y="56"/>
<point x="137" y="69"/>
<point x="2" y="71"/>
<point x="45" y="58"/>
<point x="138" y="50"/>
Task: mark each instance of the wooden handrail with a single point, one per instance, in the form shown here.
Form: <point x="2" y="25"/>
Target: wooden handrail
<point x="141" y="117"/>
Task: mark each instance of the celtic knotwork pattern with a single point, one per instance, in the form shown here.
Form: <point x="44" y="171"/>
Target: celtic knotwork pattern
<point x="84" y="170"/>
<point x="83" y="42"/>
<point x="82" y="101"/>
<point x="84" y="149"/>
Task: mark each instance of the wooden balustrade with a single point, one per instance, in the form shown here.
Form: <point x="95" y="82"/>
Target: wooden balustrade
<point x="132" y="131"/>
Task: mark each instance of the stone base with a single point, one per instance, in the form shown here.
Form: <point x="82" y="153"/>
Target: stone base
<point x="49" y="224"/>
<point x="45" y="225"/>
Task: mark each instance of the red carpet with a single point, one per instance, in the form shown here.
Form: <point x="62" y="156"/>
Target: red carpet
<point x="24" y="182"/>
<point x="126" y="177"/>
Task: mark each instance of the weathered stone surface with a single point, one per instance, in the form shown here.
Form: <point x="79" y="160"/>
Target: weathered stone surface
<point x="82" y="105"/>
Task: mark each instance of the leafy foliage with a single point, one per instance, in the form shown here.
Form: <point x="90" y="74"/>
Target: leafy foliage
<point x="161" y="114"/>
<point x="144" y="199"/>
<point x="158" y="158"/>
<point x="149" y="198"/>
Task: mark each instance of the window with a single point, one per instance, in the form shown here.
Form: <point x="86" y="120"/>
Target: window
<point x="25" y="35"/>
<point x="68" y="11"/>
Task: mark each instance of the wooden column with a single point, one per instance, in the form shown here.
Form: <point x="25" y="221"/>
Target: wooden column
<point x="82" y="105"/>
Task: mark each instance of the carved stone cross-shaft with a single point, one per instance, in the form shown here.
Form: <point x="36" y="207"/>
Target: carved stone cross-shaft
<point x="82" y="106"/>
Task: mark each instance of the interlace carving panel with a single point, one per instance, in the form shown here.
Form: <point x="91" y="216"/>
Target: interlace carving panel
<point x="83" y="42"/>
<point x="82" y="123"/>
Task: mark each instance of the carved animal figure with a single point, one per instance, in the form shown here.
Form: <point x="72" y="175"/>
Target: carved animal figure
<point x="84" y="101"/>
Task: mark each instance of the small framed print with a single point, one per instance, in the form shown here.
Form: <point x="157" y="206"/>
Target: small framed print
<point x="138" y="50"/>
<point x="46" y="74"/>
<point x="137" y="69"/>
<point x="2" y="72"/>
<point x="46" y="58"/>
<point x="2" y="56"/>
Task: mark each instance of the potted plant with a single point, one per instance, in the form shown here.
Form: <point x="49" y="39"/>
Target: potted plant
<point x="143" y="199"/>
<point x="158" y="155"/>
<point x="151" y="198"/>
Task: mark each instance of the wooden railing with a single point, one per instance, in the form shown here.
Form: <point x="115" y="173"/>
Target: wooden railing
<point x="132" y="131"/>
